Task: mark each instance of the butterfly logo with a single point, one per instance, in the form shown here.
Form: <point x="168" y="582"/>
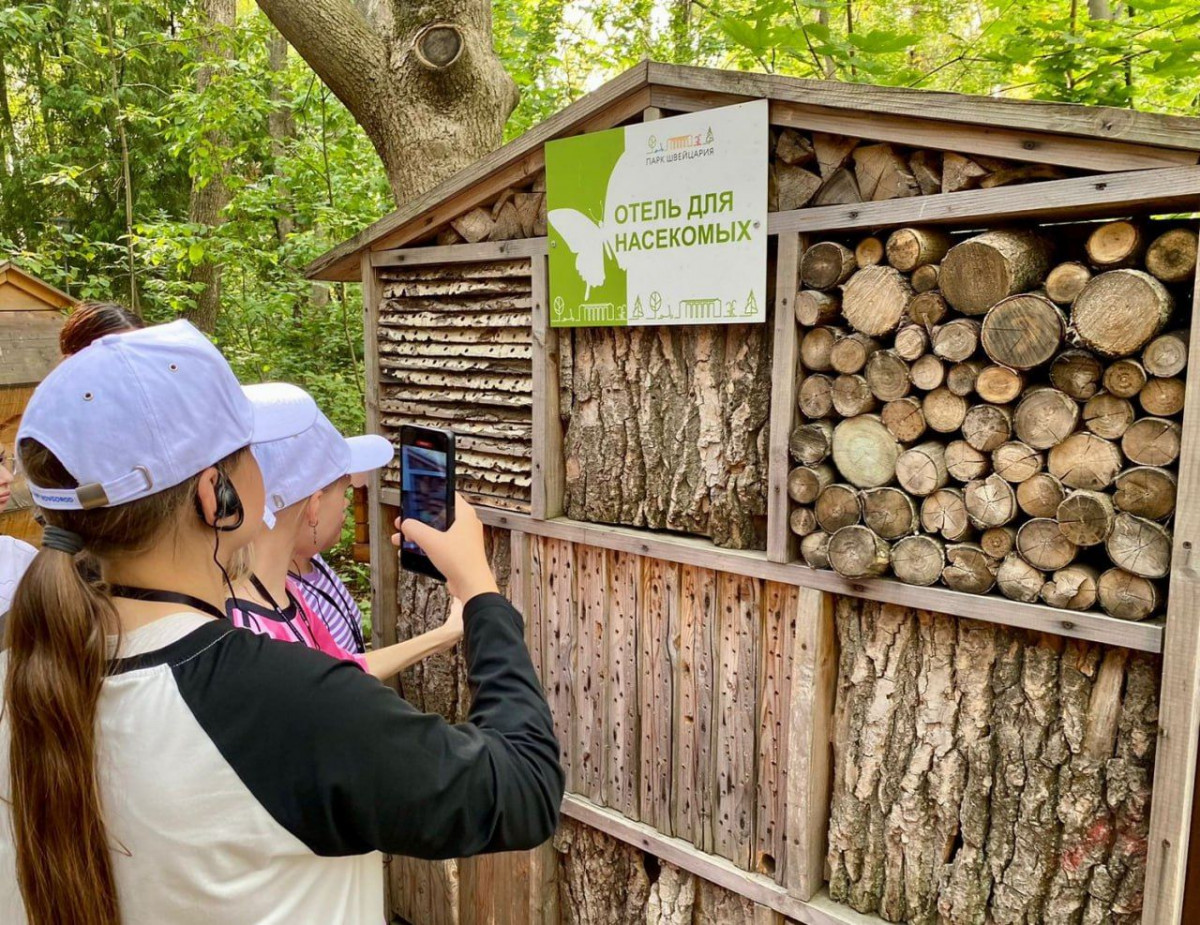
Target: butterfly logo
<point x="587" y="240"/>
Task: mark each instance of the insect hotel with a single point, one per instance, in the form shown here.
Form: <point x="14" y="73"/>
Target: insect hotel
<point x="832" y="441"/>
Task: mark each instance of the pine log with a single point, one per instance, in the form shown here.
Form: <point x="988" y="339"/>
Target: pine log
<point x="826" y="264"/>
<point x="987" y="427"/>
<point x="883" y="174"/>
<point x="1172" y="256"/>
<point x="911" y="342"/>
<point x="961" y="378"/>
<point x="814" y="307"/>
<point x="816" y="349"/>
<point x="1166" y="355"/>
<point x="927" y="372"/>
<point x="1127" y="596"/>
<point x="508" y="225"/>
<point x="1045" y="417"/>
<point x="811" y="443"/>
<point x="875" y="299"/>
<point x="925" y="279"/>
<point x="1086" y="517"/>
<point x="1018" y="580"/>
<point x="865" y="452"/>
<point x="814" y="549"/>
<point x="991" y="502"/>
<point x="1124" y="378"/>
<point x="868" y="252"/>
<point x="815" y="398"/>
<point x="887" y="375"/>
<point x="968" y="569"/>
<point x="926" y="167"/>
<point x="922" y="469"/>
<point x="965" y="463"/>
<point x="1040" y="495"/>
<point x="998" y="542"/>
<point x="1072" y="588"/>
<point x="852" y="396"/>
<point x="794" y="187"/>
<point x="1152" y="442"/>
<point x="802" y="520"/>
<point x="1085" y="461"/>
<point x="837" y="506"/>
<point x="839" y="189"/>
<point x="927" y="308"/>
<point x="832" y="152"/>
<point x="1066" y="281"/>
<point x="945" y="512"/>
<point x="474" y="226"/>
<point x="1077" y="373"/>
<point x="858" y="552"/>
<point x="1163" y="397"/>
<point x="904" y="419"/>
<point x="1016" y="462"/>
<point x="805" y="483"/>
<point x="794" y="148"/>
<point x="909" y="248"/>
<point x="1041" y="543"/>
<point x="999" y="384"/>
<point x="850" y="353"/>
<point x="1107" y="416"/>
<point x="1120" y="311"/>
<point x="529" y="207"/>
<point x="981" y="271"/>
<point x="889" y="512"/>
<point x="956" y="340"/>
<point x="960" y="173"/>
<point x="918" y="560"/>
<point x="1115" y="245"/>
<point x="1023" y="331"/>
<point x="1146" y="491"/>
<point x="1139" y="546"/>
<point x="1024" y="173"/>
<point x="944" y="411"/>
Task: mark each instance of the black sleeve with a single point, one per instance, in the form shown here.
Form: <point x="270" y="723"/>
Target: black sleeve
<point x="347" y="766"/>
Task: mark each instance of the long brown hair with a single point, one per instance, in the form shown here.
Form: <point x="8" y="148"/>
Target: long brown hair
<point x="57" y="659"/>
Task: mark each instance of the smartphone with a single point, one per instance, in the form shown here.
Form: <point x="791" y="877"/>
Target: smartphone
<point x="426" y="488"/>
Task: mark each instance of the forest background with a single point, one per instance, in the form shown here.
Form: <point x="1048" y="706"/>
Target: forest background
<point x="191" y="164"/>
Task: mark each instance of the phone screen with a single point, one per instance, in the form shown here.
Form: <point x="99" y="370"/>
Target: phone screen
<point x="423" y="488"/>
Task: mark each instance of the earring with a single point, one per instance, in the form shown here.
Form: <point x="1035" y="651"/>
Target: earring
<point x="314" y="526"/>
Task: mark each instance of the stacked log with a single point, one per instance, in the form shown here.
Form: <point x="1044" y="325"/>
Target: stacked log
<point x="1014" y="425"/>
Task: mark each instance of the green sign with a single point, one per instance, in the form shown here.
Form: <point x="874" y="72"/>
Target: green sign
<point x="663" y="222"/>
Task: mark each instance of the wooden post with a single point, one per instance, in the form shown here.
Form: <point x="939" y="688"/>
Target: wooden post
<point x="782" y="544"/>
<point x="1179" y="693"/>
<point x="809" y="755"/>
<point x="549" y="478"/>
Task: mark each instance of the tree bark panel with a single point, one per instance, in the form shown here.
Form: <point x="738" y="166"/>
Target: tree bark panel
<point x="602" y="881"/>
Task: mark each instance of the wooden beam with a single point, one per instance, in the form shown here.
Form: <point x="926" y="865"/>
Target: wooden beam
<point x="549" y="475"/>
<point x="1170" y="189"/>
<point x="1099" y="122"/>
<point x="1179" y="693"/>
<point x="460" y="253"/>
<point x="782" y="545"/>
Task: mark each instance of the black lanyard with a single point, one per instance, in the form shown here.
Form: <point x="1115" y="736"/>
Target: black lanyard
<point x="166" y="597"/>
<point x="266" y="596"/>
<point x="338" y="607"/>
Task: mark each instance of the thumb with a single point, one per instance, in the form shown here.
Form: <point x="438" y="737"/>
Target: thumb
<point x="421" y="533"/>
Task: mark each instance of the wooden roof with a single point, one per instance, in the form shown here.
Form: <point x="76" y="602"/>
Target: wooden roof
<point x="35" y="294"/>
<point x="1087" y="137"/>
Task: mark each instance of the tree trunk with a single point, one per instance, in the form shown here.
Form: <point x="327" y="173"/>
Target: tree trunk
<point x="282" y="129"/>
<point x="424" y="83"/>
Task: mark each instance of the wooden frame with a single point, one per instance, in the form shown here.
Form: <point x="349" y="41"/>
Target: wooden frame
<point x="781" y="542"/>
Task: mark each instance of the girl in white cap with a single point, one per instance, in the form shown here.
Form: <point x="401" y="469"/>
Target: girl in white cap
<point x="159" y="765"/>
<point x="306" y="478"/>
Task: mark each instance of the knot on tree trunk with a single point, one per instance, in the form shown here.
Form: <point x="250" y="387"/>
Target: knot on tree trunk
<point x="438" y="46"/>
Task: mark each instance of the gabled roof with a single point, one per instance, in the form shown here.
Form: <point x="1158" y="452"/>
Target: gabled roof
<point x="13" y="275"/>
<point x="1089" y="137"/>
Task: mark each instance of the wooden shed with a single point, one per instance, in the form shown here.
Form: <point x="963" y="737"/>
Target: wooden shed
<point x="31" y="314"/>
<point x="883" y="610"/>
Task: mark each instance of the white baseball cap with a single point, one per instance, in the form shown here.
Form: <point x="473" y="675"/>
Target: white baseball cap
<point x="298" y="466"/>
<point x="139" y="412"/>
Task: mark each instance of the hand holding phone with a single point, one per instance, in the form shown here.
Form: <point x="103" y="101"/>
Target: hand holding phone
<point x="457" y="552"/>
<point x="427" y="489"/>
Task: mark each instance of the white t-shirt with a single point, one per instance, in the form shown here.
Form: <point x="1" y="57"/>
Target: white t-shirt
<point x="15" y="557"/>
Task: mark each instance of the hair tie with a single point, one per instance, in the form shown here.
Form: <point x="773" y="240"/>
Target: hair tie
<point x="63" y="540"/>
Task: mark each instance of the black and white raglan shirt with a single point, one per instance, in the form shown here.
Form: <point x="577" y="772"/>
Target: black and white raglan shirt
<point x="247" y="780"/>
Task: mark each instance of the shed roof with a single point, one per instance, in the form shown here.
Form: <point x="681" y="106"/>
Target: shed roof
<point x="1088" y="137"/>
<point x="31" y="288"/>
